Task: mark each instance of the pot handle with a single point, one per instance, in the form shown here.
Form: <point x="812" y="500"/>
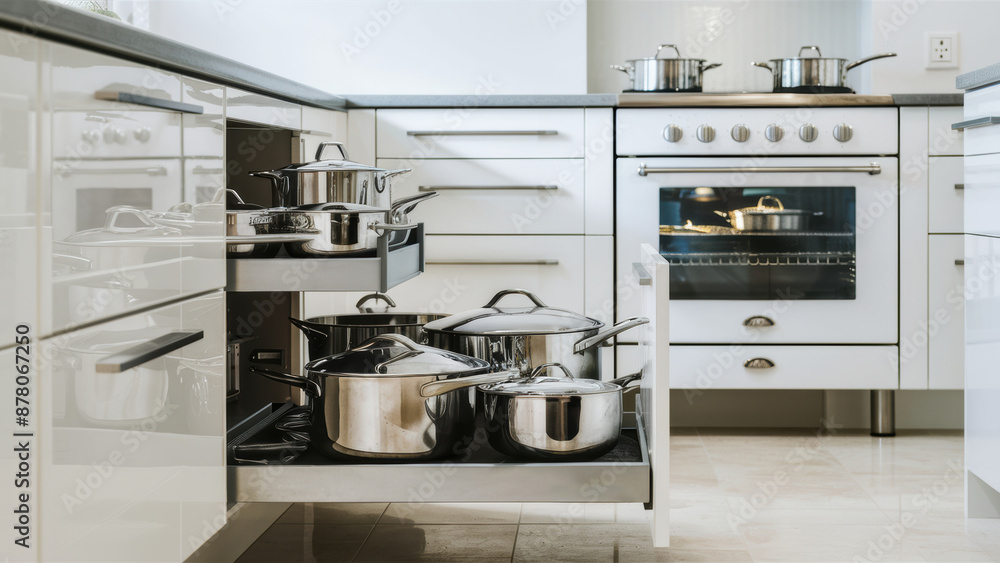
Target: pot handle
<point x="723" y="214"/>
<point x="391" y="227"/>
<point x="539" y="370"/>
<point x="867" y="59"/>
<point x="435" y="388"/>
<point x="779" y="205"/>
<point x="762" y="65"/>
<point x="322" y="148"/>
<point x="626" y="69"/>
<point x="390" y="304"/>
<point x="661" y="47"/>
<point x="501" y="294"/>
<point x="607" y="333"/>
<point x="311" y="387"/>
<point x="624" y="381"/>
<point x="810" y="48"/>
<point x="397" y="340"/>
<point x="279" y="185"/>
<point x="401" y="207"/>
<point x="310" y="331"/>
<point x="710" y="66"/>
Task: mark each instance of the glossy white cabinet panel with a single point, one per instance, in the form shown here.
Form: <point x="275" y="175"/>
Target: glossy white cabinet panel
<point x="981" y="103"/>
<point x="324" y="122"/>
<point x="794" y="367"/>
<point x="262" y="110"/>
<point x="600" y="169"/>
<point x="480" y="133"/>
<point x="113" y="132"/>
<point x="495" y="196"/>
<point x="942" y="139"/>
<point x="465" y="272"/>
<point x="77" y="75"/>
<point x="204" y="134"/>
<point x="946" y="194"/>
<point x="134" y="460"/>
<point x="944" y="334"/>
<point x="982" y="194"/>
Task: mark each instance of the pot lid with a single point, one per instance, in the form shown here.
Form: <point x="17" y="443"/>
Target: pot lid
<point x="495" y="320"/>
<point x="335" y="208"/>
<point x="394" y="355"/>
<point x="331" y="164"/>
<point x="819" y="56"/>
<point x="546" y="386"/>
<point x="125" y="226"/>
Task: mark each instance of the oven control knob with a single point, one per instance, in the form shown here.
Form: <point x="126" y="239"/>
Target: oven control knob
<point x="843" y="132"/>
<point x="740" y="133"/>
<point x="808" y="132"/>
<point x="142" y="134"/>
<point x="706" y="133"/>
<point x="92" y="136"/>
<point x="773" y="133"/>
<point x="114" y="135"/>
<point x="672" y="133"/>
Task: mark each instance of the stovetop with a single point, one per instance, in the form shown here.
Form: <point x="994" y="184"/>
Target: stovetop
<point x="749" y="99"/>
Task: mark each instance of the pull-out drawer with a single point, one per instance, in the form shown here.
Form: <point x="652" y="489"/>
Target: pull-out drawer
<point x="493" y="196"/>
<point x="480" y="133"/>
<point x="946" y="197"/>
<point x="77" y="76"/>
<point x="981" y="118"/>
<point x="254" y="108"/>
<point x="784" y="367"/>
<point x="982" y="194"/>
<point x="945" y="332"/>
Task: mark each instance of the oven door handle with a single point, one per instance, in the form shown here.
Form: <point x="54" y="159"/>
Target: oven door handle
<point x="873" y="168"/>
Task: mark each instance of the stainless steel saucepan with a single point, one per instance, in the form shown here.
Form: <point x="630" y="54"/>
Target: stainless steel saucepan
<point x="764" y="218"/>
<point x="811" y="74"/>
<point x="655" y="74"/>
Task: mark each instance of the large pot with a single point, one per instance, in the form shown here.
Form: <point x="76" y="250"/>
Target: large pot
<point x="553" y="418"/>
<point x="391" y="399"/>
<point x="654" y="74"/>
<point x="336" y="333"/>
<point x="813" y="74"/>
<point x="768" y="218"/>
<point x="524" y="338"/>
<point x="338" y="180"/>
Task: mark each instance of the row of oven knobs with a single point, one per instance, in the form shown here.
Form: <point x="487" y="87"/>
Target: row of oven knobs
<point x="773" y="133"/>
<point x="115" y="135"/>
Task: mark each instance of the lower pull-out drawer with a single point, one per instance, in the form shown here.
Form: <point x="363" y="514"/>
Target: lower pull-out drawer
<point x="784" y="367"/>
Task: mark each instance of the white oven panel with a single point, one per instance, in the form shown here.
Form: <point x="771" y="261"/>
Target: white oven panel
<point x="715" y="131"/>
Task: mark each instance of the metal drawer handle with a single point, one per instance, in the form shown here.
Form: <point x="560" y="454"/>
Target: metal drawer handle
<point x="491" y="262"/>
<point x="758" y="320"/>
<point x="959" y="186"/>
<point x="872" y="169"/>
<point x="151" y="171"/>
<point x="147" y="351"/>
<point x="136" y="99"/>
<point x="973" y="123"/>
<point x="641" y="274"/>
<point x="758" y="363"/>
<point x="474" y="133"/>
<point x="473" y="188"/>
<point x="959" y="262"/>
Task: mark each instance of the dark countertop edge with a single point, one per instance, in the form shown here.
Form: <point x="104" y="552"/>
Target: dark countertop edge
<point x="978" y="78"/>
<point x="489" y="100"/>
<point x="79" y="28"/>
<point x="953" y="99"/>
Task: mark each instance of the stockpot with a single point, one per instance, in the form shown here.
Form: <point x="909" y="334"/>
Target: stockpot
<point x="524" y="338"/>
<point x="391" y="399"/>
<point x="654" y="74"/>
<point x="808" y="74"/>
<point x="553" y="418"/>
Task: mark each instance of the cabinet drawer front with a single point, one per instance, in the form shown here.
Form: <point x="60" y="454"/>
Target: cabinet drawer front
<point x="945" y="329"/>
<point x="464" y="272"/>
<point x="946" y="196"/>
<point x="794" y="367"/>
<point x="942" y="139"/>
<point x="979" y="104"/>
<point x="254" y="108"/>
<point x="982" y="194"/>
<point x="480" y="133"/>
<point x="77" y="75"/>
<point x="522" y="196"/>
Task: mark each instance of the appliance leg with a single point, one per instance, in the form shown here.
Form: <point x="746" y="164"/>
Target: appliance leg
<point x="883" y="412"/>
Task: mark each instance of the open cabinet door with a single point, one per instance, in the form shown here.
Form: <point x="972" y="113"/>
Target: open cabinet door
<point x="653" y="275"/>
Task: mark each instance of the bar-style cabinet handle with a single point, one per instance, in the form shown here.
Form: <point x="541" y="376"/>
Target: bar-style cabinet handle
<point x="959" y="186"/>
<point x="642" y="274"/>
<point x="474" y="188"/>
<point x="480" y="133"/>
<point x="130" y="98"/>
<point x="960" y="262"/>
<point x="147" y="351"/>
<point x="977" y="122"/>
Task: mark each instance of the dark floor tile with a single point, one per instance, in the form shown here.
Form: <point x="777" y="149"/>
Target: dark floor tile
<point x="307" y="543"/>
<point x="440" y="542"/>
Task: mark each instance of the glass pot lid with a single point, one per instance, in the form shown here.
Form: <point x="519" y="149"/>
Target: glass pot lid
<point x="394" y="355"/>
<point x="495" y="320"/>
<point x="537" y="385"/>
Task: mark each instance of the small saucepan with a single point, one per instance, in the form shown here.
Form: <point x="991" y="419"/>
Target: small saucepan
<point x="813" y="74"/>
<point x="655" y="74"/>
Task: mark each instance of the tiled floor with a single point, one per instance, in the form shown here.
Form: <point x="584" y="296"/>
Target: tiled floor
<point x="738" y="495"/>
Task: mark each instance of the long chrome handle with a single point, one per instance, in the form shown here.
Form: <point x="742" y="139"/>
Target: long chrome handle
<point x="494" y="262"/>
<point x="150" y="171"/>
<point x="435" y="388"/>
<point x="607" y="333"/>
<point x="480" y="133"/>
<point x="758" y="321"/>
<point x="474" y="188"/>
<point x="136" y="99"/>
<point x="147" y="351"/>
<point x="977" y="122"/>
<point x="758" y="363"/>
<point x="873" y="168"/>
<point x="641" y="274"/>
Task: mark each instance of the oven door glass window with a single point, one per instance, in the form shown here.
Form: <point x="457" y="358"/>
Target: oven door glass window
<point x="759" y="243"/>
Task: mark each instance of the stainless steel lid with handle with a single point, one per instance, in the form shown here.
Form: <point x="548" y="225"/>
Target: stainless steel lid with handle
<point x="547" y="386"/>
<point x="493" y="319"/>
<point x="394" y="355"/>
<point x="341" y="164"/>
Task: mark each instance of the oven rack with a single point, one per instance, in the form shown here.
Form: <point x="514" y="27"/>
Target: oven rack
<point x="760" y="259"/>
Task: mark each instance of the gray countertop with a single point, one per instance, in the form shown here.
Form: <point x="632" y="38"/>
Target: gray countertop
<point x="978" y="78"/>
<point x="927" y="99"/>
<point x="492" y="100"/>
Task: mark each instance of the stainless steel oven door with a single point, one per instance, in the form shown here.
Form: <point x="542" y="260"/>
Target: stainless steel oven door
<point x="831" y="278"/>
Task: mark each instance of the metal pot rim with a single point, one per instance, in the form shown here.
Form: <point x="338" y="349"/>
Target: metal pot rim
<point x="664" y="60"/>
<point x="380" y="376"/>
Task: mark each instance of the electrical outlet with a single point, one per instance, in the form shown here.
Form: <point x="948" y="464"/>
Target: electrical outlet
<point x="942" y="49"/>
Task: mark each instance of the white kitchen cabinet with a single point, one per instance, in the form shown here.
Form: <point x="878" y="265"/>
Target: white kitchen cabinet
<point x="262" y="110"/>
<point x="942" y="139"/>
<point x="982" y="193"/>
<point x="945" y="333"/>
<point x="980" y="104"/>
<point x="946" y="194"/>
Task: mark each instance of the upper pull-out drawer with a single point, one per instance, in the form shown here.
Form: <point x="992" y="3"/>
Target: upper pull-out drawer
<point x="480" y="133"/>
<point x="980" y="121"/>
<point x="489" y="196"/>
<point x="254" y="108"/>
<point x="78" y="76"/>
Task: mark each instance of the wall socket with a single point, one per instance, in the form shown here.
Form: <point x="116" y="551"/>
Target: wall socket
<point x="942" y="49"/>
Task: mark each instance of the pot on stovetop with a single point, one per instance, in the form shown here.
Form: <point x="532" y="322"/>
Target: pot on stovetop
<point x="813" y="74"/>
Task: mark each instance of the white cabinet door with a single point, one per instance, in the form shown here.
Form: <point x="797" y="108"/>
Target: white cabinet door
<point x="946" y="194"/>
<point x="945" y="327"/>
<point x="262" y="110"/>
<point x="982" y="194"/>
<point x="133" y="439"/>
<point x="982" y="348"/>
<point x="942" y="139"/>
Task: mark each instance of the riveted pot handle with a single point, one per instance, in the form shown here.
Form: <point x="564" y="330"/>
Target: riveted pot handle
<point x="322" y="148"/>
<point x="539" y="370"/>
<point x="501" y="294"/>
<point x="624" y="381"/>
<point x="309" y="330"/>
<point x="377" y="296"/>
<point x="311" y="387"/>
<point x="435" y="388"/>
<point x="626" y="69"/>
<point x="777" y="202"/>
<point x="762" y="65"/>
<point x="607" y="333"/>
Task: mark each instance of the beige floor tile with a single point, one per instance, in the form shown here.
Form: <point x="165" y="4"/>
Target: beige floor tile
<point x="452" y="513"/>
<point x="434" y="542"/>
<point x="769" y="516"/>
<point x="333" y="513"/>
<point x="694" y="555"/>
<point x="816" y="542"/>
<point x="747" y="496"/>
<point x="766" y="461"/>
<point x="584" y="542"/>
<point x="307" y="543"/>
<point x="582" y="513"/>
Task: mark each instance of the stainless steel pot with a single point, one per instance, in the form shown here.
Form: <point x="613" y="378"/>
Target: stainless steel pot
<point x="553" y="418"/>
<point x="391" y="399"/>
<point x="338" y="180"/>
<point x="336" y="333"/>
<point x="805" y="74"/>
<point x="250" y="229"/>
<point x="654" y="74"/>
<point x="524" y="338"/>
<point x="763" y="218"/>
